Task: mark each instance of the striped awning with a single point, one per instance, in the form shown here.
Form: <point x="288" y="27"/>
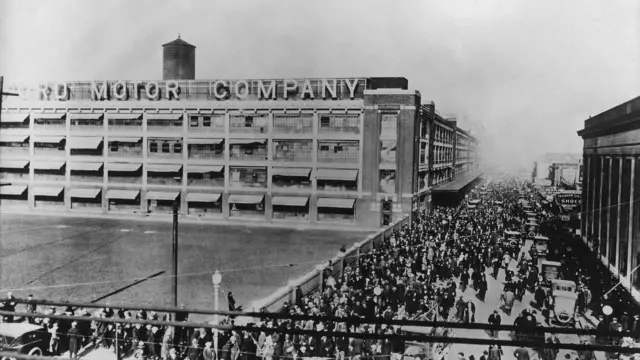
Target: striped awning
<point x="47" y="165"/>
<point x="123" y="194"/>
<point x="165" y="168"/>
<point x="123" y="167"/>
<point x="337" y="174"/>
<point x="13" y="164"/>
<point x="205" y="141"/>
<point x="247" y="141"/>
<point x="82" y="166"/>
<point x="13" y="189"/>
<point x="47" y="191"/>
<point x="245" y="199"/>
<point x="290" y="172"/>
<point x="13" y="118"/>
<point x="85" y="142"/>
<point x="84" y="193"/>
<point x="290" y="200"/>
<point x="88" y="116"/>
<point x="162" y="195"/>
<point x="125" y="139"/>
<point x="204" y="168"/>
<point x="336" y="203"/>
<point x="202" y="197"/>
<point x="124" y="116"/>
<point x="48" y="139"/>
<point x="13" y="138"/>
<point x="164" y="116"/>
<point x="48" y="116"/>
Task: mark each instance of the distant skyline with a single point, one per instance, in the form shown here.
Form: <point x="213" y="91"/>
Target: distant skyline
<point x="528" y="72"/>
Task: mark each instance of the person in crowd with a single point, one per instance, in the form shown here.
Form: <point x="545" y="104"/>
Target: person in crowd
<point x="495" y="320"/>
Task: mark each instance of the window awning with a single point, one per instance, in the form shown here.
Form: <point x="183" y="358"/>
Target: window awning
<point x="247" y="141"/>
<point x="204" y="169"/>
<point x="50" y="116"/>
<point x="91" y="116"/>
<point x="205" y="141"/>
<point x="164" y="116"/>
<point x="13" y="164"/>
<point x="47" y="165"/>
<point x="202" y="197"/>
<point x="47" y="191"/>
<point x="337" y="174"/>
<point x="123" y="194"/>
<point x="162" y="195"/>
<point x="123" y="167"/>
<point x="80" y="166"/>
<point x="85" y="142"/>
<point x="13" y="118"/>
<point x="13" y="138"/>
<point x="166" y="168"/>
<point x="13" y="189"/>
<point x="290" y="200"/>
<point x="245" y="199"/>
<point x="125" y="139"/>
<point x="84" y="193"/>
<point x="48" y="139"/>
<point x="124" y="116"/>
<point x="290" y="172"/>
<point x="336" y="203"/>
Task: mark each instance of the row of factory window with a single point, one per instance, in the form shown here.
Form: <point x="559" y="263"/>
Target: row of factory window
<point x="441" y="176"/>
<point x="239" y="149"/>
<point x="197" y="204"/>
<point x="299" y="123"/>
<point x="195" y="175"/>
<point x="443" y="135"/>
<point x="442" y="154"/>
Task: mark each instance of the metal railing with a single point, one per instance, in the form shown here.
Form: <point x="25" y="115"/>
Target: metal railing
<point x="312" y="281"/>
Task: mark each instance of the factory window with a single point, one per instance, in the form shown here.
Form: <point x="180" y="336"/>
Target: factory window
<point x="177" y="148"/>
<point x="166" y="147"/>
<point x="387" y="181"/>
<point x="248" y="121"/>
<point x="206" y="121"/>
<point x="337" y="149"/>
<point x="153" y="147"/>
<point x="324" y="147"/>
<point x="113" y="146"/>
<point x="389" y="125"/>
<point x="325" y="122"/>
<point x="193" y="121"/>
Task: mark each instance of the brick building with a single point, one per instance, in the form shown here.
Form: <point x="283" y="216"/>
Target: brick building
<point x="361" y="151"/>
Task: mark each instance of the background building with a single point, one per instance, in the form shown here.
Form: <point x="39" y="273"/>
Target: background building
<point x="361" y="151"/>
<point x="558" y="170"/>
<point x="611" y="190"/>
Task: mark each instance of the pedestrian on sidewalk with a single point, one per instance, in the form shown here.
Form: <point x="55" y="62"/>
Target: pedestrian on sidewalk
<point x="521" y="354"/>
<point x="495" y="352"/>
<point x="495" y="320"/>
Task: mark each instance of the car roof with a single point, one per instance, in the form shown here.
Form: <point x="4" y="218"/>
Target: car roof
<point x="16" y="330"/>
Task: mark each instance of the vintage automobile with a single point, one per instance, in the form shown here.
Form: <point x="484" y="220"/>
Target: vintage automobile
<point x="541" y="245"/>
<point x="24" y="338"/>
<point x="549" y="270"/>
<point x="564" y="301"/>
<point x="532" y="228"/>
<point x="510" y="234"/>
<point x="427" y="351"/>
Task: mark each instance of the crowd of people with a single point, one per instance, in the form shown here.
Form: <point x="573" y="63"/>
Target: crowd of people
<point x="419" y="272"/>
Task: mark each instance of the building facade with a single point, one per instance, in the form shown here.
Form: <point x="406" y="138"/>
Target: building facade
<point x="360" y="151"/>
<point x="610" y="211"/>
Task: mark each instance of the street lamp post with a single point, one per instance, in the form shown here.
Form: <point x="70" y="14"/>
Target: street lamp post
<point x="216" y="278"/>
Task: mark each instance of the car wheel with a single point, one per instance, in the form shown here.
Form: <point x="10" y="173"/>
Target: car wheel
<point x="35" y="351"/>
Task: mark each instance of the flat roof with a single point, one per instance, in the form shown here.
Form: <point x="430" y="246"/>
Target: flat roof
<point x="458" y="183"/>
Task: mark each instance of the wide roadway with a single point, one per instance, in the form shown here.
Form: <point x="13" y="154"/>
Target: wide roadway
<point x="129" y="262"/>
<point x="491" y="303"/>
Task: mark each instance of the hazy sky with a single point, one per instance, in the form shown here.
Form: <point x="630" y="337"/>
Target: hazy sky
<point x="530" y="72"/>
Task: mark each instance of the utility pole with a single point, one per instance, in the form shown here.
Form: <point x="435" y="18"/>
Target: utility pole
<point x="174" y="283"/>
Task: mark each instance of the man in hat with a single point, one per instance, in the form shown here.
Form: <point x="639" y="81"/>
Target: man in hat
<point x="31" y="308"/>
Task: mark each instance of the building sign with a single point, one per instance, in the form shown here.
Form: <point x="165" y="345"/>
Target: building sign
<point x="568" y="199"/>
<point x="193" y="90"/>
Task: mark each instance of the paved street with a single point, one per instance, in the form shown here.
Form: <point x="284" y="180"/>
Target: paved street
<point x="104" y="260"/>
<point x="484" y="309"/>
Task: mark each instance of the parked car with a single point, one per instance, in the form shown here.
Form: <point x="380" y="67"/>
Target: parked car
<point x="24" y="338"/>
<point x="564" y="300"/>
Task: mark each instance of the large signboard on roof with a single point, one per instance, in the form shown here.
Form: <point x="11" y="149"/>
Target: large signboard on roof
<point x="193" y="90"/>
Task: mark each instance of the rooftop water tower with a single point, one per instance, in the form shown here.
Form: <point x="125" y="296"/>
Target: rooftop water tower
<point x="178" y="60"/>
